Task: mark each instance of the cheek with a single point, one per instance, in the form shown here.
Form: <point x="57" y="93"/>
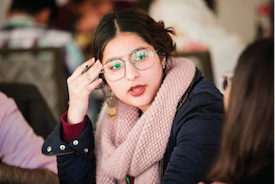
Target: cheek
<point x="156" y="73"/>
<point x="118" y="88"/>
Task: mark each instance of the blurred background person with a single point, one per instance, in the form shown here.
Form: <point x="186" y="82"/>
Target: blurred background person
<point x="21" y="160"/>
<point x="80" y="17"/>
<point x="27" y="26"/>
<point x="247" y="150"/>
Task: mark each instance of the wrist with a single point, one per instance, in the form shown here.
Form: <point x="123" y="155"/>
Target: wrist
<point x="74" y="118"/>
<point x="71" y="131"/>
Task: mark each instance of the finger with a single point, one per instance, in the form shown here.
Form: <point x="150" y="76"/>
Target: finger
<point x="92" y="86"/>
<point x="78" y="71"/>
<point x="94" y="68"/>
<point x="89" y="77"/>
<point x="87" y="73"/>
<point x="77" y="76"/>
<point x="78" y="84"/>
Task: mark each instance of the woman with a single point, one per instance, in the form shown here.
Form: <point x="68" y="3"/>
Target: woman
<point x="162" y="121"/>
<point x="247" y="151"/>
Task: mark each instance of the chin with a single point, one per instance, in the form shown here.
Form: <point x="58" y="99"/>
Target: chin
<point x="142" y="104"/>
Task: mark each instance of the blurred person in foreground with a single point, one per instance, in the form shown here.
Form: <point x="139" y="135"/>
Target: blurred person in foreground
<point x="27" y="26"/>
<point x="21" y="160"/>
<point x="247" y="151"/>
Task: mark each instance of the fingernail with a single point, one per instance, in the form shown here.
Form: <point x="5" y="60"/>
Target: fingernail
<point x="92" y="59"/>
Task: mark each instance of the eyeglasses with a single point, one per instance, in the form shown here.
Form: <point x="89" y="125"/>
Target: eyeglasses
<point x="141" y="59"/>
<point x="227" y="79"/>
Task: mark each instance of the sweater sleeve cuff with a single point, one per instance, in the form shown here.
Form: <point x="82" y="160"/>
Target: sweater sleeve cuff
<point x="71" y="131"/>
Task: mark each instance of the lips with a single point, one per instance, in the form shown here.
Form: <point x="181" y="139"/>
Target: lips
<point x="137" y="90"/>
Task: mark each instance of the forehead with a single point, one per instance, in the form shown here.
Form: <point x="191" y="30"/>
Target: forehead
<point x="123" y="44"/>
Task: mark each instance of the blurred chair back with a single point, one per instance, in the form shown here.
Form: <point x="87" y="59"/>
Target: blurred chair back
<point x="32" y="105"/>
<point x="202" y="60"/>
<point x="42" y="67"/>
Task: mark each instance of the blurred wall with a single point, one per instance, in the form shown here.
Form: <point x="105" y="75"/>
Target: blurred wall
<point x="239" y="17"/>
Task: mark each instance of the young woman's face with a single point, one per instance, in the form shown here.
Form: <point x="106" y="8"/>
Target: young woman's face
<point x="137" y="87"/>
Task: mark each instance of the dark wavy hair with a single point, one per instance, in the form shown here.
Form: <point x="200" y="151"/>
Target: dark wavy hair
<point x="248" y="133"/>
<point x="136" y="21"/>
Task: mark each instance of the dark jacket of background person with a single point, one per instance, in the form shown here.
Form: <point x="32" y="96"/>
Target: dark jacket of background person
<point x="188" y="133"/>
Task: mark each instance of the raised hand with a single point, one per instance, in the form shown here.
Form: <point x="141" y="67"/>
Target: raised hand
<point x="80" y="86"/>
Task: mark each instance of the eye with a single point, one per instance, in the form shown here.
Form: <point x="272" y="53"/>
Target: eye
<point x="139" y="55"/>
<point x="114" y="65"/>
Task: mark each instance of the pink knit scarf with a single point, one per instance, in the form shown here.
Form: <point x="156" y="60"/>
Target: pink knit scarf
<point x="129" y="145"/>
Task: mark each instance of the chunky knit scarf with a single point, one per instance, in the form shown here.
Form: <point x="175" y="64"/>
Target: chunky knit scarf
<point x="133" y="145"/>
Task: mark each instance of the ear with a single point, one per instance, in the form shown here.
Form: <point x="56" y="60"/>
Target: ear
<point x="43" y="16"/>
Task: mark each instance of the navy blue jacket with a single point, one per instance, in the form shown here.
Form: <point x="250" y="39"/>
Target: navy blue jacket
<point x="192" y="147"/>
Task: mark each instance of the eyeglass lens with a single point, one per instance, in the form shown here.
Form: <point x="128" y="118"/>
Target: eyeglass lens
<point x="141" y="59"/>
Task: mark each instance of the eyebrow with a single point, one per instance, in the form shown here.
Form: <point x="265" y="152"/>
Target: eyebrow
<point x="114" y="58"/>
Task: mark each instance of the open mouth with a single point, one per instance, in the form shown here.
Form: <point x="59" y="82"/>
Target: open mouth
<point x="137" y="90"/>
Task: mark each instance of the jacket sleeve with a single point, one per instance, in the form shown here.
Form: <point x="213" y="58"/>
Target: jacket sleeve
<point x="76" y="160"/>
<point x="194" y="140"/>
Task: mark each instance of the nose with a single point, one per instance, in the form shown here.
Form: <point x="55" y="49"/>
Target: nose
<point x="131" y="72"/>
